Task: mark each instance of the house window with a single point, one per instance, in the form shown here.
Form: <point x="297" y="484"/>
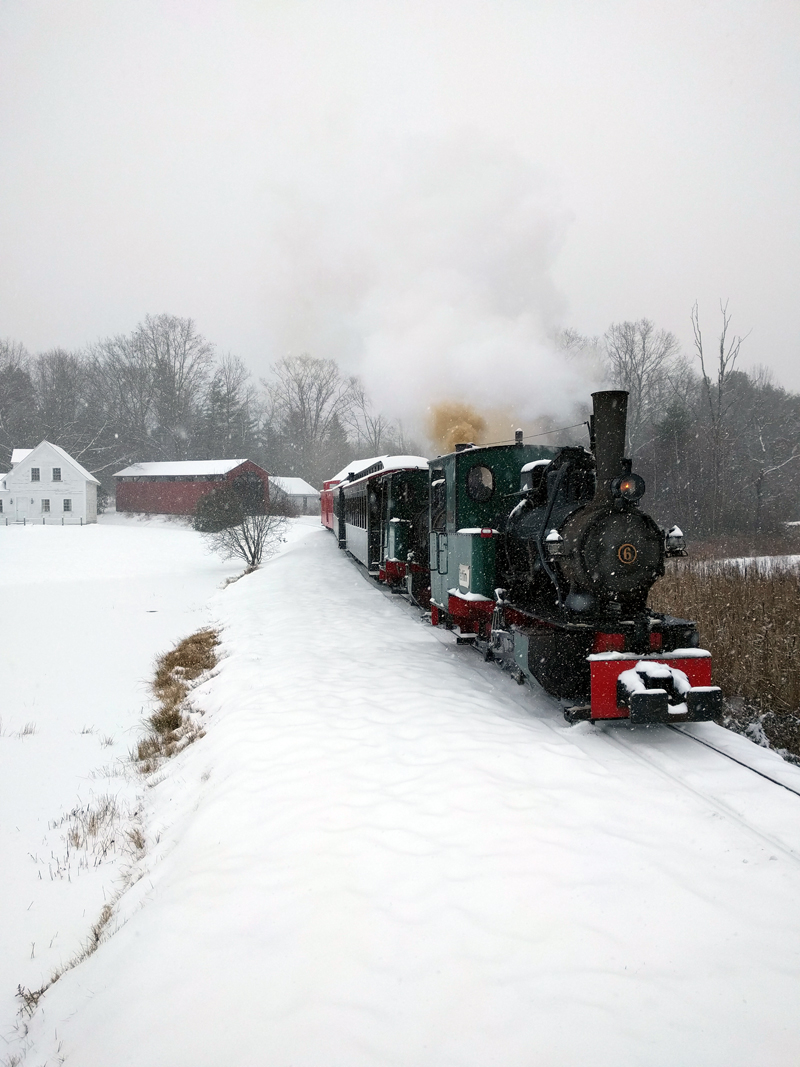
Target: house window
<point x="56" y="474"/>
<point x="34" y="474"/>
<point x="67" y="505"/>
<point x="45" y="505"/>
<point x="1" y="507"/>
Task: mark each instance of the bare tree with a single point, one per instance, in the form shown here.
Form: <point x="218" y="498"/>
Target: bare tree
<point x="151" y="384"/>
<point x="252" y="539"/>
<point x="125" y="391"/>
<point x="309" y="400"/>
<point x="370" y="429"/>
<point x="180" y="360"/>
<point x="640" y="359"/>
<point x="718" y="401"/>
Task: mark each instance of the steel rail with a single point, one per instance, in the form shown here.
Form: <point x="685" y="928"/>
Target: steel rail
<point x="727" y="755"/>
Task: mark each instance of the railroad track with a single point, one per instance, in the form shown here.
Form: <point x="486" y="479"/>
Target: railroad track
<point x="640" y="752"/>
<point x="743" y="813"/>
<point x="727" y="755"/>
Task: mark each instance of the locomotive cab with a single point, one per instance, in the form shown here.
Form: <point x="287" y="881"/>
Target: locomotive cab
<point x="470" y="493"/>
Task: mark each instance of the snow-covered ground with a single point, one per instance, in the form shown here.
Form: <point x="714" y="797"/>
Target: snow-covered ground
<point x="383" y="852"/>
<point x="83" y="613"/>
<point x="762" y="564"/>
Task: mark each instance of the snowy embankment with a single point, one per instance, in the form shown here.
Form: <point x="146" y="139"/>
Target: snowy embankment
<point x="383" y="852"/>
<point x="83" y="613"/>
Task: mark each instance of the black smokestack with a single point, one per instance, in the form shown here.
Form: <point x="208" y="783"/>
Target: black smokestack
<point x="608" y="438"/>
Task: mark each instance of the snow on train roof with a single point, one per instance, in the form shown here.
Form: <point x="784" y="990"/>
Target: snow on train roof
<point x="388" y="463"/>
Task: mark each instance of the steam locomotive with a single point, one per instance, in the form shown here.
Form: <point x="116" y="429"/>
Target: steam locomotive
<point x="542" y="559"/>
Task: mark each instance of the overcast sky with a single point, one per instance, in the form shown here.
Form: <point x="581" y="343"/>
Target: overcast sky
<point x="421" y="190"/>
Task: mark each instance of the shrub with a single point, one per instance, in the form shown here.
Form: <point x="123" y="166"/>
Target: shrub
<point x="281" y="503"/>
<point x="218" y="510"/>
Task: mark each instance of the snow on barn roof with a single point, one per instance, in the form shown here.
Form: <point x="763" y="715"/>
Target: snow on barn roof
<point x="293" y="486"/>
<point x="188" y="468"/>
<point x="18" y="454"/>
<point x="387" y="463"/>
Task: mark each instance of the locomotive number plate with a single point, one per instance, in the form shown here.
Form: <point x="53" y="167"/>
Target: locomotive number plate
<point x="627" y="553"/>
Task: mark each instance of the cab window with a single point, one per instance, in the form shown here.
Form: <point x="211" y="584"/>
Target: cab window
<point x="480" y="483"/>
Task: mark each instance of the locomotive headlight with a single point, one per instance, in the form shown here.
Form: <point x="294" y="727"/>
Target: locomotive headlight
<point x="675" y="542"/>
<point x="630" y="487"/>
<point x="555" y="544"/>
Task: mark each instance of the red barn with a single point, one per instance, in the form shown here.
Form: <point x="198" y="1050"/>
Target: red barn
<point x="175" y="488"/>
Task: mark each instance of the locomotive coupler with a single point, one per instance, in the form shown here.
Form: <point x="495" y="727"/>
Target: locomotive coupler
<point x="657" y="692"/>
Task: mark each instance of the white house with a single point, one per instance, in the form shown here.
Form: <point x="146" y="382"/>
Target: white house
<point x="305" y="496"/>
<point x="46" y="484"/>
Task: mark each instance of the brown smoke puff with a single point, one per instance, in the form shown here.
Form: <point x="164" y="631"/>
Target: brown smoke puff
<point x="451" y="423"/>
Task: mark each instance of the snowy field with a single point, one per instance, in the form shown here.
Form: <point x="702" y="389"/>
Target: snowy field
<point x="383" y="852"/>
<point x="762" y="564"/>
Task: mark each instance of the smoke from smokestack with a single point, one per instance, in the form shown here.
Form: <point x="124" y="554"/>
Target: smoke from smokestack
<point x="431" y="277"/>
<point x="449" y="424"/>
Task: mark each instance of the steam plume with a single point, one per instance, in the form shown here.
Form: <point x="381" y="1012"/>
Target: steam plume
<point x="431" y="279"/>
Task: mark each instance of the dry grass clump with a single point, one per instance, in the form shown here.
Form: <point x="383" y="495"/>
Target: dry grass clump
<point x="29" y="998"/>
<point x="92" y="833"/>
<point x="749" y="619"/>
<point x="171" y="727"/>
<point x="94" y="823"/>
<point x="190" y="658"/>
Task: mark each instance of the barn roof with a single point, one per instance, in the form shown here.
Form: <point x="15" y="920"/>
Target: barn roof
<point x="174" y="469"/>
<point x="293" y="486"/>
<point x="18" y="454"/>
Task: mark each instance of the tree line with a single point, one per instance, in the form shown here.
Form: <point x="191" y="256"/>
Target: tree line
<point x="718" y="447"/>
<point x="163" y="392"/>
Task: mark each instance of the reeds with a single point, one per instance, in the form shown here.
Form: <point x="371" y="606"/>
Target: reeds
<point x="748" y="614"/>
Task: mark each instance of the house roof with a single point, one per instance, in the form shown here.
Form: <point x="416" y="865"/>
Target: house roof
<point x="20" y="454"/>
<point x="188" y="468"/>
<point x="293" y="486"/>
